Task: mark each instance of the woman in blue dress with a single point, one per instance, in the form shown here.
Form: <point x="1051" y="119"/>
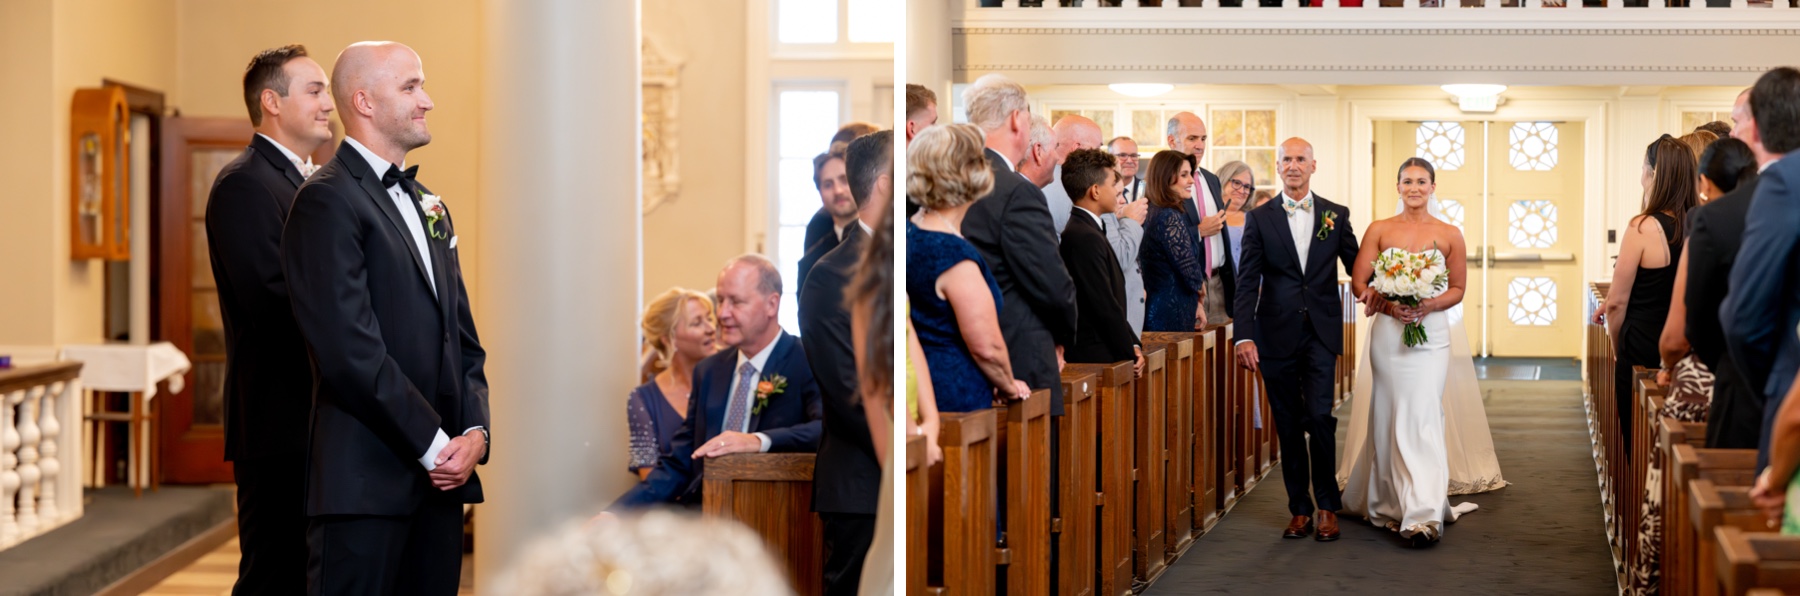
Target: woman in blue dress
<point x="678" y="332"/>
<point x="955" y="301"/>
<point x="1173" y="278"/>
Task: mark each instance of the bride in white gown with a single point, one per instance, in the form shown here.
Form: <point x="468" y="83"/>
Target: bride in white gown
<point x="1400" y="474"/>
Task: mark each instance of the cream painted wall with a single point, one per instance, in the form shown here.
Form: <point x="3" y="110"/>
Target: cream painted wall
<point x="53" y="49"/>
<point x="29" y="209"/>
<point x="687" y="240"/>
<point x="218" y="37"/>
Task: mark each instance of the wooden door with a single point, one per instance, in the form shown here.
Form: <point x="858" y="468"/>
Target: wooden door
<point x="187" y="302"/>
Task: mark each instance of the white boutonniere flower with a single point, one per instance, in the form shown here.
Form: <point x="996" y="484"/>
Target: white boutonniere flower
<point x="307" y="168"/>
<point x="433" y="206"/>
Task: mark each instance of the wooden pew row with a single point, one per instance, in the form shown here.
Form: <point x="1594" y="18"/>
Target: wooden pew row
<point x="1227" y="455"/>
<point x="1149" y="548"/>
<point x="1648" y="399"/>
<point x="1024" y="458"/>
<point x="1178" y="436"/>
<point x="1757" y="563"/>
<point x="1672" y="432"/>
<point x="1713" y="507"/>
<point x="918" y="513"/>
<point x="1688" y="464"/>
<point x="772" y="493"/>
<point x="962" y="551"/>
<point x="1116" y="396"/>
<point x="1076" y="525"/>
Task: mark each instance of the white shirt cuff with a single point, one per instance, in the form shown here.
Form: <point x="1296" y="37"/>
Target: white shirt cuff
<point x="1241" y="342"/>
<point x="483" y="429"/>
<point x="437" y="444"/>
<point x="765" y="442"/>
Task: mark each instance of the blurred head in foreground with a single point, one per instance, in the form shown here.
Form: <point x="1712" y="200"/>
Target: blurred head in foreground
<point x="657" y="553"/>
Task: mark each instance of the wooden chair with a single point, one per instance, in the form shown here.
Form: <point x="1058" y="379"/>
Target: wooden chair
<point x="1077" y="522"/>
<point x="1024" y="457"/>
<point x="1757" y="562"/>
<point x="772" y="493"/>
<point x="1149" y="549"/>
<point x="918" y="513"/>
<point x="1179" y="437"/>
<point x="963" y="539"/>
<point x="1117" y="390"/>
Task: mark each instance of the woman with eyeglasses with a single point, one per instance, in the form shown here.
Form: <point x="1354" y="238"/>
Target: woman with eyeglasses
<point x="1240" y="183"/>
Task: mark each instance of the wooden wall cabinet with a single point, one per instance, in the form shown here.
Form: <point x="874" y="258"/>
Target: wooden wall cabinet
<point x="100" y="175"/>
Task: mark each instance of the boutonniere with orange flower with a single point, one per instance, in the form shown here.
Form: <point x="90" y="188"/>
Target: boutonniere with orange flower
<point x="1327" y="223"/>
<point x="769" y="386"/>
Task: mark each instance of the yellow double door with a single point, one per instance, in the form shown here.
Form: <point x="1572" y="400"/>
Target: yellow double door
<point x="1515" y="190"/>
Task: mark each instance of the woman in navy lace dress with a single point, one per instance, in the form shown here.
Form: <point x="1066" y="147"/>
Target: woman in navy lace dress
<point x="678" y="332"/>
<point x="955" y="301"/>
<point x="1173" y="279"/>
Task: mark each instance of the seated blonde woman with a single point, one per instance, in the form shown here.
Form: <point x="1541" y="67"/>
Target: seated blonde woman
<point x="678" y="332"/>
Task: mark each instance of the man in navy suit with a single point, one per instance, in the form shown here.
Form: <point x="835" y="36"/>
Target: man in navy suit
<point x="1289" y="328"/>
<point x="757" y="397"/>
<point x="268" y="382"/>
<point x="1763" y="308"/>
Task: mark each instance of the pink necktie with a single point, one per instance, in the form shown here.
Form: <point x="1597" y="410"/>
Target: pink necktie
<point x="1205" y="241"/>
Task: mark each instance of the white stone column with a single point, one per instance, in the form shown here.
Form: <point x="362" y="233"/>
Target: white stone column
<point x="560" y="252"/>
<point x="928" y="56"/>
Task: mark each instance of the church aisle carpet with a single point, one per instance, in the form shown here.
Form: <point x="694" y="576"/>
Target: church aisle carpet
<point x="1544" y="534"/>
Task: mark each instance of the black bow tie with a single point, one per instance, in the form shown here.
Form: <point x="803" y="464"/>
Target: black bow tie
<point x="395" y="176"/>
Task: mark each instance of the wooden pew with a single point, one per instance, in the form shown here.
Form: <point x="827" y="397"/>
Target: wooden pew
<point x="1246" y="447"/>
<point x="772" y="493"/>
<point x="1117" y="392"/>
<point x="962" y="529"/>
<point x="1711" y="507"/>
<point x="1024" y="458"/>
<point x="1722" y="467"/>
<point x="1076" y="523"/>
<point x="1757" y="562"/>
<point x="1603" y="414"/>
<point x="1149" y="548"/>
<point x="1224" y="380"/>
<point x="918" y="513"/>
<point x="1674" y="432"/>
<point x="1647" y="401"/>
<point x="1209" y="367"/>
<point x="1179" y="434"/>
<point x="1268" y="449"/>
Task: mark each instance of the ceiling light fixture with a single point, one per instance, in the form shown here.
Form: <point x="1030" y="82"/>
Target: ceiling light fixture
<point x="1476" y="98"/>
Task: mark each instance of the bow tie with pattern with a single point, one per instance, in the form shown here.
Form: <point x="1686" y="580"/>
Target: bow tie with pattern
<point x="1301" y="205"/>
<point x="394" y="175"/>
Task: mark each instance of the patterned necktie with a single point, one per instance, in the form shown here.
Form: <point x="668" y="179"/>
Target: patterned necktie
<point x="738" y="411"/>
<point x="1206" y="242"/>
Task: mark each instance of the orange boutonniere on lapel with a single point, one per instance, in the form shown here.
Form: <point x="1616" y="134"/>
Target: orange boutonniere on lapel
<point x="769" y="386"/>
<point x="1327" y="223"/>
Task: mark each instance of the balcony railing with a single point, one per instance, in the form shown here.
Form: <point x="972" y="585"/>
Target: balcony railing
<point x="39" y="428"/>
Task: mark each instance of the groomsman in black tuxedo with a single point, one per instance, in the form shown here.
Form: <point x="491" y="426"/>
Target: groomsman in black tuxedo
<point x="840" y="212"/>
<point x="847" y="478"/>
<point x="1735" y="419"/>
<point x="1104" y="336"/>
<point x="268" y="384"/>
<point x="1764" y="305"/>
<point x="400" y="398"/>
<point x="1014" y="232"/>
<point x="1187" y="134"/>
<point x="757" y="397"/>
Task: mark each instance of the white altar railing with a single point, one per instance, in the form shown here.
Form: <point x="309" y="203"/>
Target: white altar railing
<point x="40" y="426"/>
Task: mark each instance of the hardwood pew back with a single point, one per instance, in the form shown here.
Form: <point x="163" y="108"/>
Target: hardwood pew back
<point x="963" y="531"/>
<point x="1757" y="562"/>
<point x="1712" y="506"/>
<point x="1149" y="548"/>
<point x="1116" y="395"/>
<point x="1179" y="436"/>
<point x="1687" y="464"/>
<point x="1076" y="525"/>
<point x="918" y="513"/>
<point x="772" y="493"/>
<point x="1024" y="459"/>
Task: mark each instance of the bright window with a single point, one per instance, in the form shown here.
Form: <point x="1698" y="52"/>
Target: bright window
<point x="874" y="21"/>
<point x="807" y="21"/>
<point x="805" y="121"/>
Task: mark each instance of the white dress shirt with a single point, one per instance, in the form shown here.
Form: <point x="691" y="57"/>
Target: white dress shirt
<point x="1204" y="200"/>
<point x="1301" y="224"/>
<point x="417" y="228"/>
<point x="293" y="158"/>
<point x="760" y="362"/>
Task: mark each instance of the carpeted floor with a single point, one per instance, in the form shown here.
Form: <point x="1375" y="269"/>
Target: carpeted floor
<point x="1542" y="535"/>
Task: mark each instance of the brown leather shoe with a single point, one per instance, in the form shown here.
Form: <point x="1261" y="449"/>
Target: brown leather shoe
<point x="1328" y="527"/>
<point x="1299" y="527"/>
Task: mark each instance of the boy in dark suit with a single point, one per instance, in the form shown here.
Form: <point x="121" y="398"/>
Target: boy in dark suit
<point x="1102" y="334"/>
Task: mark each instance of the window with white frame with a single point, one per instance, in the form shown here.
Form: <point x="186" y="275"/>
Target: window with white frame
<point x="1246" y="135"/>
<point x="805" y="120"/>
<point x="840" y="23"/>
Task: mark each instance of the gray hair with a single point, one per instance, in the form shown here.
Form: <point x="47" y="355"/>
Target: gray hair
<point x="647" y="554"/>
<point x="1042" y="134"/>
<point x="1231" y="170"/>
<point x="768" y="276"/>
<point x="991" y="99"/>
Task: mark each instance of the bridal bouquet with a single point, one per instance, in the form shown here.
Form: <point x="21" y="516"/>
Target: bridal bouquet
<point x="1409" y="278"/>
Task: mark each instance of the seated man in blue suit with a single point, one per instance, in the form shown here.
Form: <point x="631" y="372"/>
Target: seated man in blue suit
<point x="757" y="397"/>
